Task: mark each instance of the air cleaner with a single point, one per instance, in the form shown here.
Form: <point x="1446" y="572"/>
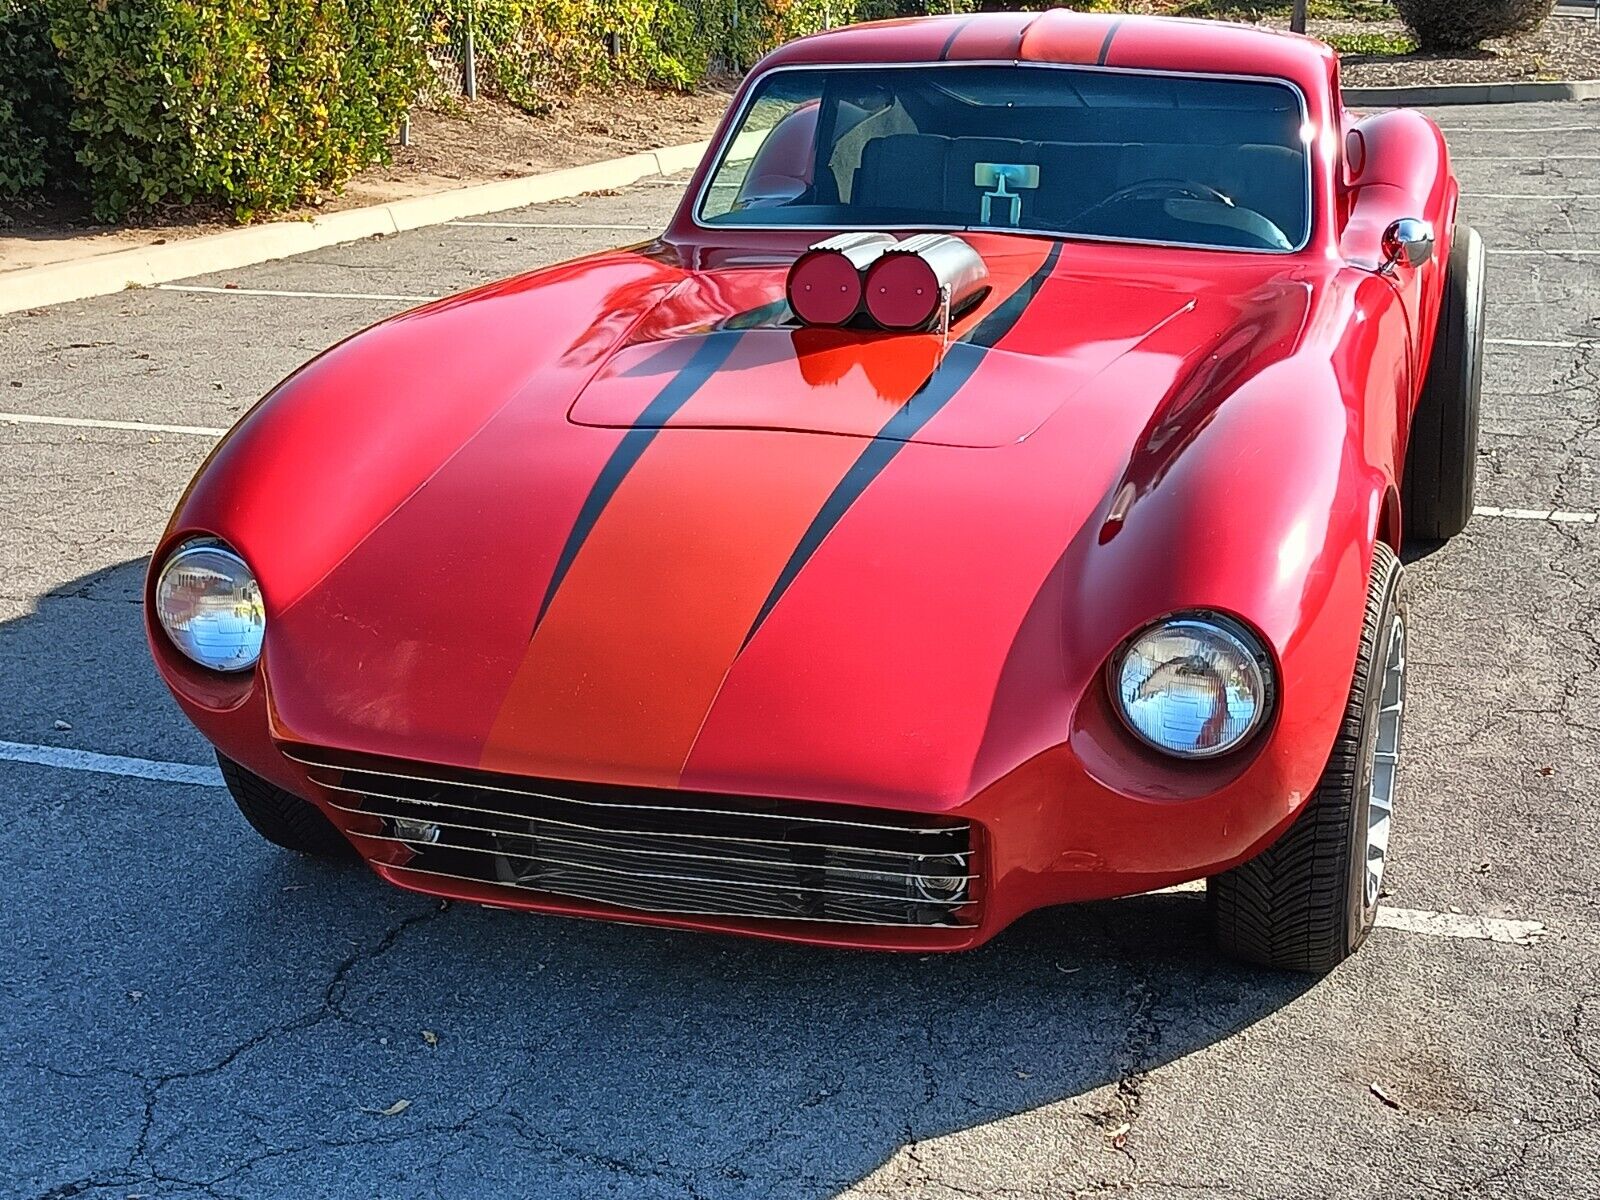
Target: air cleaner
<point x="825" y="282"/>
<point x="918" y="283"/>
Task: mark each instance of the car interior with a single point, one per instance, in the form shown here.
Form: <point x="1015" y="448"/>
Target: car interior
<point x="1118" y="155"/>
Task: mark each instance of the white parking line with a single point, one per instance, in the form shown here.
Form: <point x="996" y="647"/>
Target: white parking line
<point x="1560" y="516"/>
<point x="1460" y="925"/>
<point x="1525" y="158"/>
<point x="541" y="225"/>
<point x="1429" y="923"/>
<point x="111" y="764"/>
<point x="81" y="423"/>
<point x="1541" y="251"/>
<point x="1535" y="343"/>
<point x="239" y="291"/>
<point x="1529" y="129"/>
<point x="1530" y="196"/>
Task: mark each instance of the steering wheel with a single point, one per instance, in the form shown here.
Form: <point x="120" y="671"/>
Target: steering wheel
<point x="1245" y="223"/>
<point x="1160" y="189"/>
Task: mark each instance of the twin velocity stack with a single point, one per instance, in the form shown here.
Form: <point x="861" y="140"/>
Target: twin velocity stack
<point x="875" y="280"/>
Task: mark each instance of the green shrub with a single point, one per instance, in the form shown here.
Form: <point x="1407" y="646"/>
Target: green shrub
<point x="35" y="146"/>
<point x="255" y="104"/>
<point x="529" y="51"/>
<point x="1463" y="24"/>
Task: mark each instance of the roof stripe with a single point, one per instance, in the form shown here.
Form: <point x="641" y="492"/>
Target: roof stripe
<point x="944" y="51"/>
<point x="1105" y="46"/>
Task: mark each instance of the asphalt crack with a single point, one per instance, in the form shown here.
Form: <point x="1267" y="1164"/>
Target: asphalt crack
<point x="138" y="1169"/>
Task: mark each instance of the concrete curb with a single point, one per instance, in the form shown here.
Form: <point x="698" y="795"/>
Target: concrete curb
<point x="1471" y="93"/>
<point x="144" y="266"/>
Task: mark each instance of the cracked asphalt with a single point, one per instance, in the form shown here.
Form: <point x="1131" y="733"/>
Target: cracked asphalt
<point x="185" y="1011"/>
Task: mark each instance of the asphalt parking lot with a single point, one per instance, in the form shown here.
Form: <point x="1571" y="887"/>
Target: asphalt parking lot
<point x="187" y="1011"/>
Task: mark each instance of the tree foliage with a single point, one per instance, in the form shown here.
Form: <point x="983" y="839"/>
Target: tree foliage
<point x="35" y="144"/>
<point x="1463" y="24"/>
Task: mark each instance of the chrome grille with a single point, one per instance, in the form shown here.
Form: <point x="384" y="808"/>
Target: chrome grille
<point x="656" y="850"/>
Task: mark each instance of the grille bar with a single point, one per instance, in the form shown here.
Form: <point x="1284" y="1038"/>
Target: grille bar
<point x="548" y="860"/>
<point x="954" y="856"/>
<point x="657" y="907"/>
<point x="538" y="795"/>
<point x="538" y="835"/>
<point x="657" y="850"/>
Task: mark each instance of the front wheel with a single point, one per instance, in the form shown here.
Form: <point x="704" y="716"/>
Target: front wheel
<point x="282" y="817"/>
<point x="1309" y="900"/>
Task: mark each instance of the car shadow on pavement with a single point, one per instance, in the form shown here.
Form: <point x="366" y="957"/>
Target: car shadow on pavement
<point x="248" y="1022"/>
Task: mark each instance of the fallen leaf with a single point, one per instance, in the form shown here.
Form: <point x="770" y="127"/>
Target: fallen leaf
<point x="430" y="1037"/>
<point x="1547" y="771"/>
<point x="394" y="1110"/>
<point x="1388" y="1100"/>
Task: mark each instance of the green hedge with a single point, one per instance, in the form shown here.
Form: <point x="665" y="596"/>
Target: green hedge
<point x="35" y="145"/>
<point x="261" y="104"/>
<point x="257" y="104"/>
<point x="533" y="51"/>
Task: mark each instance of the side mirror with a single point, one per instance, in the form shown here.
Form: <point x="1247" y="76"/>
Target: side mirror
<point x="1407" y="241"/>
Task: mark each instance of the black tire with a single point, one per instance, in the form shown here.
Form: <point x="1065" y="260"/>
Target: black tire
<point x="282" y="817"/>
<point x="1442" y="456"/>
<point x="1304" y="903"/>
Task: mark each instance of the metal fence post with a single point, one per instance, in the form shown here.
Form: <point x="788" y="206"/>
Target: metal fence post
<point x="469" y="64"/>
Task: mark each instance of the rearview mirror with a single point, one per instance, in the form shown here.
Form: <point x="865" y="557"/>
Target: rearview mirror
<point x="1408" y="241"/>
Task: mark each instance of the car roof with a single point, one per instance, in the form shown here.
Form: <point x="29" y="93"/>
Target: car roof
<point x="1060" y="36"/>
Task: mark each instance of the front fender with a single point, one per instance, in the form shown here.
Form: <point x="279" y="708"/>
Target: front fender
<point x="335" y="448"/>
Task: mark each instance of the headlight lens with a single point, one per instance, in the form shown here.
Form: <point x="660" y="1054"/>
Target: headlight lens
<point x="1193" y="685"/>
<point x="209" y="603"/>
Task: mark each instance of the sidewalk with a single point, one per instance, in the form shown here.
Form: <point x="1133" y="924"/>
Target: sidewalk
<point x="490" y="143"/>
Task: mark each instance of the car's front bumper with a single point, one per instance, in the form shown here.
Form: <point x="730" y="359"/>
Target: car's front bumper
<point x="1053" y="830"/>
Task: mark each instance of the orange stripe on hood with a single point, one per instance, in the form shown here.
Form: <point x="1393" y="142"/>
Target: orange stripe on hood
<point x="664" y="587"/>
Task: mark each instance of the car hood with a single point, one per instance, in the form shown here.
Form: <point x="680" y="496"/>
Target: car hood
<point x="694" y="547"/>
<point x="775" y="374"/>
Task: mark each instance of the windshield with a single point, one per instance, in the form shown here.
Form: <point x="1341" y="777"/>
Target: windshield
<point x="1180" y="159"/>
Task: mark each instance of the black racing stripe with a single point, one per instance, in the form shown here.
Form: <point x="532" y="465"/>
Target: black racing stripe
<point x="944" y="51"/>
<point x="774" y="312"/>
<point x="960" y="361"/>
<point x="998" y="323"/>
<point x="702" y="364"/>
<point x="1022" y="35"/>
<point x="1105" y="46"/>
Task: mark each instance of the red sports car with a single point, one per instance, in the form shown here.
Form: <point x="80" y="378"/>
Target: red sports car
<point x="984" y="495"/>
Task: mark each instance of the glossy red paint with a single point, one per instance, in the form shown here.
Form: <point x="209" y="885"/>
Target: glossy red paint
<point x="1159" y="429"/>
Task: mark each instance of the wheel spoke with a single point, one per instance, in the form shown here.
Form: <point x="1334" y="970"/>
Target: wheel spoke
<point x="1385" y="772"/>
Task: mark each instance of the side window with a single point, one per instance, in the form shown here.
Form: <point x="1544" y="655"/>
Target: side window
<point x="770" y="161"/>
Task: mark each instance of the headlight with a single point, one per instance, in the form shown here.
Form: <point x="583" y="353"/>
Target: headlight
<point x="1193" y="685"/>
<point x="209" y="603"/>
